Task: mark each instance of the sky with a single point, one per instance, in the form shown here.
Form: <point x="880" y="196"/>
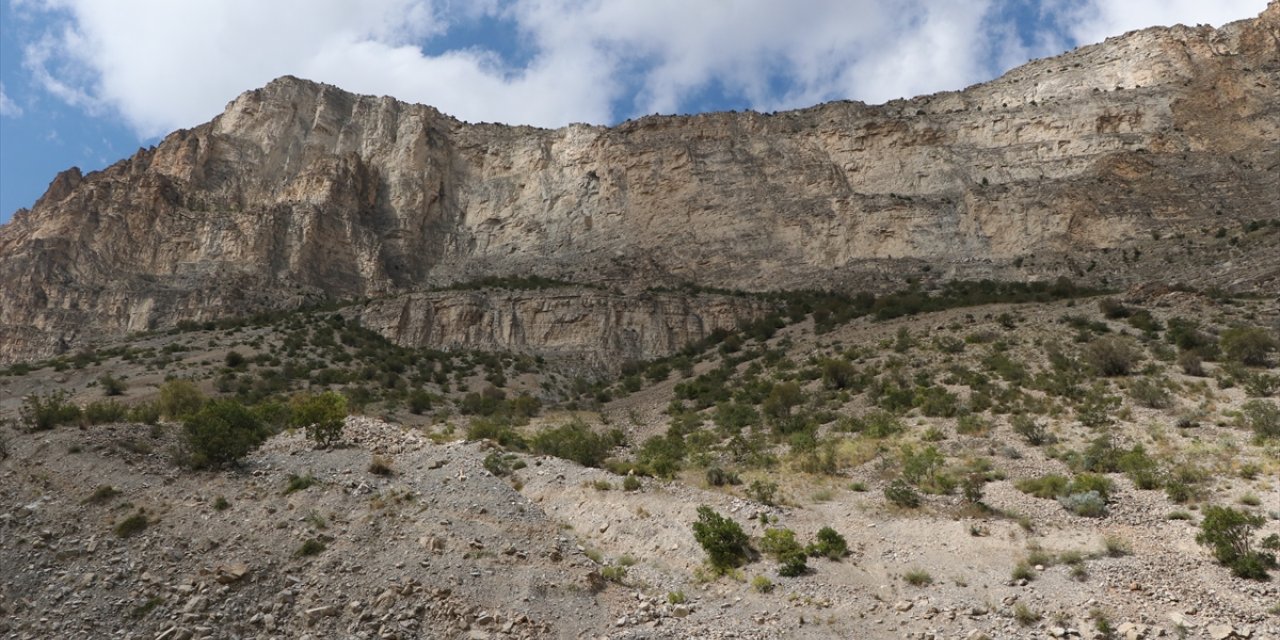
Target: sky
<point x="87" y="82"/>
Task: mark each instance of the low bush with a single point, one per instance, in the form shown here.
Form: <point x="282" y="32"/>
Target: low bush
<point x="111" y="385"/>
<point x="220" y="434"/>
<point x="718" y="477"/>
<point x="1249" y="345"/>
<point x="1112" y="356"/>
<point x="179" y="399"/>
<point x="41" y="412"/>
<point x="902" y="494"/>
<point x="1262" y="417"/>
<point x="918" y="578"/>
<point x="724" y="541"/>
<point x="574" y="441"/>
<point x="105" y="411"/>
<point x="829" y="544"/>
<point x="1229" y="534"/>
<point x="133" y="525"/>
<point x="1088" y="504"/>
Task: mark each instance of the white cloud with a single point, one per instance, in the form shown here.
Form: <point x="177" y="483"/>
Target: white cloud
<point x="162" y="64"/>
<point x="7" y="106"/>
<point x="1098" y="19"/>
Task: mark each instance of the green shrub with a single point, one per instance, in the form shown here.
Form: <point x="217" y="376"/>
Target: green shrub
<point x="299" y="483"/>
<point x="221" y="504"/>
<point x="918" y="578"/>
<point x="103" y="493"/>
<point x="133" y="525"/>
<point x="1030" y="429"/>
<point x="322" y="415"/>
<point x="631" y="483"/>
<point x="105" y="411"/>
<point x="1023" y="571"/>
<point x="574" y="441"/>
<point x="41" y="412"/>
<point x="763" y="491"/>
<point x="145" y="413"/>
<point x="1229" y="533"/>
<point x="111" y="385"/>
<point x="718" y="477"/>
<point x="1150" y="393"/>
<point x="1191" y="364"/>
<point x="499" y="463"/>
<point x="1262" y="417"/>
<point x="234" y="360"/>
<point x="614" y="574"/>
<point x="1089" y="504"/>
<point x="1095" y="408"/>
<point x="1045" y="487"/>
<point x="782" y="545"/>
<point x="310" y="547"/>
<point x="220" y="434"/>
<point x="724" y="541"/>
<point x="1113" y="309"/>
<point x="179" y="399"/>
<point x="1249" y="345"/>
<point x="1024" y="615"/>
<point x="829" y="543"/>
<point x="1111" y="356"/>
<point x="902" y="494"/>
<point x="1261" y="385"/>
<point x="1086" y="482"/>
<point x="778" y="542"/>
<point x="762" y="584"/>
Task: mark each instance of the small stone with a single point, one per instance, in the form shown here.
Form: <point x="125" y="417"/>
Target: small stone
<point x="903" y="605"/>
<point x="1221" y="631"/>
<point x="315" y="613"/>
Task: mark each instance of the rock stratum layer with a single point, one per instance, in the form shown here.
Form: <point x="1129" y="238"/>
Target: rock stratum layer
<point x="594" y="330"/>
<point x="299" y="191"/>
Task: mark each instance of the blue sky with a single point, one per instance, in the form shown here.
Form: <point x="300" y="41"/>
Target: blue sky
<point x="87" y="82"/>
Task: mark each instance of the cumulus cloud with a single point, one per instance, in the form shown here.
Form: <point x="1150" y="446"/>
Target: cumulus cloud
<point x="1097" y="19"/>
<point x="161" y="64"/>
<point x="7" y="106"/>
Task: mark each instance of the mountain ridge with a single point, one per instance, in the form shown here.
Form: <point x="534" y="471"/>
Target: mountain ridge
<point x="300" y="192"/>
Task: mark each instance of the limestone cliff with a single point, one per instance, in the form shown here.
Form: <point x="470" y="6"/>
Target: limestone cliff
<point x="590" y="329"/>
<point x="300" y="191"/>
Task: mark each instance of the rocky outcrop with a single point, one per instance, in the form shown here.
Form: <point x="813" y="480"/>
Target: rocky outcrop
<point x="300" y="191"/>
<point x="590" y="329"/>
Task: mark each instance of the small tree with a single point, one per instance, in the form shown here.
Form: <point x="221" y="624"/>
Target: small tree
<point x="1230" y="534"/>
<point x="321" y="415"/>
<point x="723" y="539"/>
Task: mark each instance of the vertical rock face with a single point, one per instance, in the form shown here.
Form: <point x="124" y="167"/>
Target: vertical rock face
<point x="300" y="191"/>
<point x="594" y="330"/>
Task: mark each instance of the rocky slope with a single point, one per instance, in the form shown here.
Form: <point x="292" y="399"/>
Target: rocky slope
<point x="300" y="191"/>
